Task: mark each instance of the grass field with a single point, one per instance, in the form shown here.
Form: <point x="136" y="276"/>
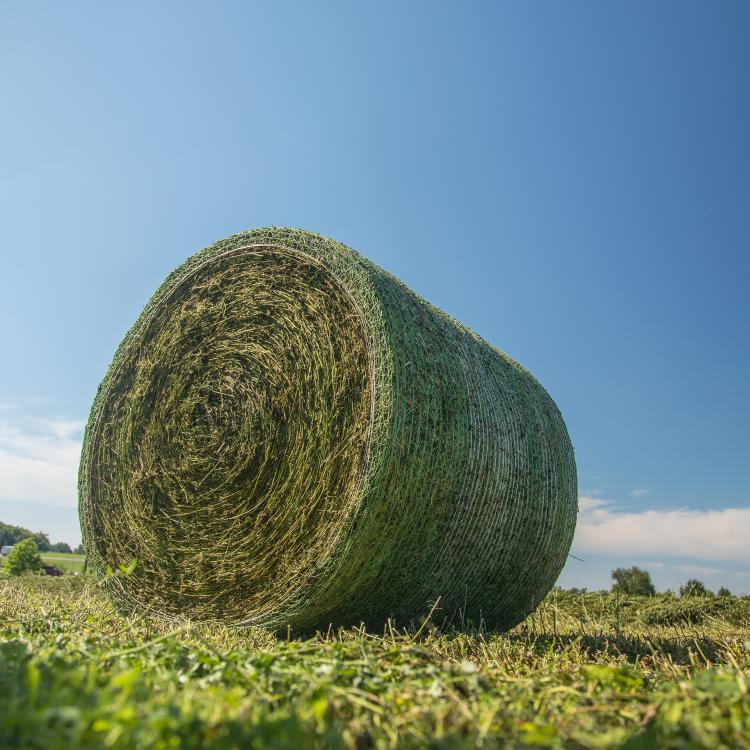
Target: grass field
<point x="586" y="671"/>
<point x="67" y="562"/>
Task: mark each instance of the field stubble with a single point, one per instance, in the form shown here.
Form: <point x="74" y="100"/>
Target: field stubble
<point x="584" y="671"/>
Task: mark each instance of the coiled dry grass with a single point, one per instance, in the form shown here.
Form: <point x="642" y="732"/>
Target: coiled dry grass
<point x="290" y="436"/>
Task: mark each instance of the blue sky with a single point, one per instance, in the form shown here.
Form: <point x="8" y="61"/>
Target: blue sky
<point x="570" y="180"/>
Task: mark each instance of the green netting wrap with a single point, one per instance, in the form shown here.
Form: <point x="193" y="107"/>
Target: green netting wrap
<point x="290" y="436"/>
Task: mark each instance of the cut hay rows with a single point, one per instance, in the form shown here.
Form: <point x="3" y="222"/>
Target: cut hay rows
<point x="290" y="436"/>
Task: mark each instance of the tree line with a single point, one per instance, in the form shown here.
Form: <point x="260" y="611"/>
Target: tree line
<point x="10" y="535"/>
<point x="637" y="582"/>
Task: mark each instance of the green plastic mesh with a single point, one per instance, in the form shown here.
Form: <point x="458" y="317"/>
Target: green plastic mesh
<point x="289" y="436"/>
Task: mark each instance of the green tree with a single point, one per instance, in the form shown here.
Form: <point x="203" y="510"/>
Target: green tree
<point x="632" y="581"/>
<point x="42" y="541"/>
<point x="79" y="550"/>
<point x="23" y="558"/>
<point x="694" y="587"/>
<point x="724" y="591"/>
<point x="13" y="534"/>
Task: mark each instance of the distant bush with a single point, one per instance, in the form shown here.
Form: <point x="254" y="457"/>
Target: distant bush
<point x="632" y="581"/>
<point x="723" y="591"/>
<point x="694" y="587"/>
<point x="23" y="558"/>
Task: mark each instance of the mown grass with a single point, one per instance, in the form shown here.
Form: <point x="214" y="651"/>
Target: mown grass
<point x="589" y="671"/>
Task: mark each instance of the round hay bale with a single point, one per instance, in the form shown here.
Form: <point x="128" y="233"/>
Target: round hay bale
<point x="289" y="436"/>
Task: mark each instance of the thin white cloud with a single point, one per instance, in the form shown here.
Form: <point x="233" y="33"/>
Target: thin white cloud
<point x="654" y="565"/>
<point x="699" y="570"/>
<point x="39" y="460"/>
<point x="713" y="535"/>
<point x="640" y="492"/>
